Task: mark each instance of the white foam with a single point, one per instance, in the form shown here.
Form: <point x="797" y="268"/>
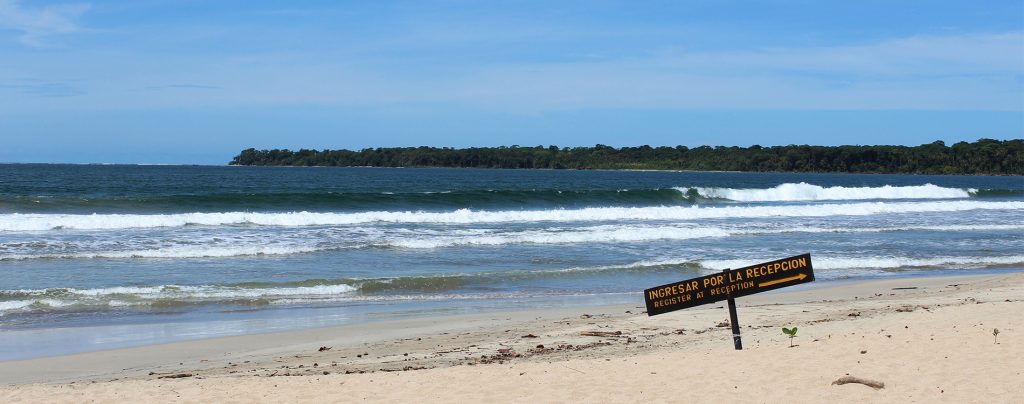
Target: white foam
<point x="634" y="265"/>
<point x="24" y="305"/>
<point x="301" y="243"/>
<point x="14" y="305"/>
<point x="808" y="192"/>
<point x="598" y="234"/>
<point x="965" y="227"/>
<point x="175" y="252"/>
<point x="123" y="296"/>
<point x="882" y="262"/>
<point x="44" y="222"/>
<point x="627" y="234"/>
<point x="185" y="292"/>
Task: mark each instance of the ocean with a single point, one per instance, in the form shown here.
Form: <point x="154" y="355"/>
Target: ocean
<point x="106" y="256"/>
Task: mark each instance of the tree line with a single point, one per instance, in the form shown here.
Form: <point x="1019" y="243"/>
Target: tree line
<point x="985" y="156"/>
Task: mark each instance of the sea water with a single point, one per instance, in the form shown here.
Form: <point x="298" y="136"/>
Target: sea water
<point x="95" y="257"/>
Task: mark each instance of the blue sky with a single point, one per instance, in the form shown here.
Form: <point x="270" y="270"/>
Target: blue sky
<point x="197" y="81"/>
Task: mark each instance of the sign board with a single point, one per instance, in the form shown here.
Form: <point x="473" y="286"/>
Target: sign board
<point x="729" y="284"/>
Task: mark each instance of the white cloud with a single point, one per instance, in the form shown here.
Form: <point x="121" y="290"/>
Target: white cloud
<point x="38" y="24"/>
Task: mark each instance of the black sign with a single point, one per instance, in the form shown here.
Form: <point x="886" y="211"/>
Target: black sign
<point x="729" y="284"/>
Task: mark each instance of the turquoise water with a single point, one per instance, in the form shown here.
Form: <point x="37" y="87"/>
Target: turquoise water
<point x="95" y="257"/>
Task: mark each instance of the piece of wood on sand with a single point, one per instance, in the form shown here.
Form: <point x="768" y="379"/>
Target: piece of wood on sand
<point x="602" y="333"/>
<point x="875" y="384"/>
<point x="175" y="376"/>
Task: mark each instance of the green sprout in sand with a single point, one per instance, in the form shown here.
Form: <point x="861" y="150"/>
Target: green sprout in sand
<point x="791" y="332"/>
<point x="995" y="335"/>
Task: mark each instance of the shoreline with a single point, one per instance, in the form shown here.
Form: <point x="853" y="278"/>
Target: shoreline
<point x="140" y="335"/>
<point x="830" y="318"/>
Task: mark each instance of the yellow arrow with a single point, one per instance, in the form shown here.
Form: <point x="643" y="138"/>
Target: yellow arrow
<point x="791" y="278"/>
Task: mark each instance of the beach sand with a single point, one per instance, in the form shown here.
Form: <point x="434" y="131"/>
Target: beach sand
<point x="928" y="339"/>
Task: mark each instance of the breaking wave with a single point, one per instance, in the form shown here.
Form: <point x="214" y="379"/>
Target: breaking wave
<point x="808" y="192"/>
<point x="837" y="263"/>
<point x="599" y="234"/>
<point x="428" y="287"/>
<point x="311" y="242"/>
<point x="43" y="222"/>
<point x="163" y="296"/>
<point x="172" y="252"/>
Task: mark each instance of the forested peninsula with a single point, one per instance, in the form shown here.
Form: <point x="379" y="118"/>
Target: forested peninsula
<point x="985" y="156"/>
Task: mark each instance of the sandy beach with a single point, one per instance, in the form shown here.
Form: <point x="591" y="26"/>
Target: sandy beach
<point x="928" y="339"/>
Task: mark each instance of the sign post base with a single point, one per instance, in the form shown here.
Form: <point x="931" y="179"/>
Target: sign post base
<point x="735" y="325"/>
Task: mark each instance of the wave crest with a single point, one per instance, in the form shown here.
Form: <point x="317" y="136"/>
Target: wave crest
<point x="808" y="192"/>
<point x="44" y="222"/>
<point x="835" y="263"/>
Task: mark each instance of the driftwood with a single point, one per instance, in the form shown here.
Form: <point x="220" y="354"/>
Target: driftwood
<point x="867" y="382"/>
<point x="602" y="333"/>
<point x="176" y="376"/>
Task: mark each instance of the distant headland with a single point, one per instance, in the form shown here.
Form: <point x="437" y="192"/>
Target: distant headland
<point x="982" y="157"/>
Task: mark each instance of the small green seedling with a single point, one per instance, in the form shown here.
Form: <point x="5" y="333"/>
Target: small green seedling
<point x="791" y="332"/>
<point x="995" y="335"/>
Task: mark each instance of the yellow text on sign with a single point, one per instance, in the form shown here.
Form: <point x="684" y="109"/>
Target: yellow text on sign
<point x="771" y="269"/>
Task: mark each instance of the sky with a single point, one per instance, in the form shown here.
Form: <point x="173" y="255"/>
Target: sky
<point x="195" y="82"/>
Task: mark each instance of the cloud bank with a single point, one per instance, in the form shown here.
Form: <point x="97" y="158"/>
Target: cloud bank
<point x="37" y="25"/>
